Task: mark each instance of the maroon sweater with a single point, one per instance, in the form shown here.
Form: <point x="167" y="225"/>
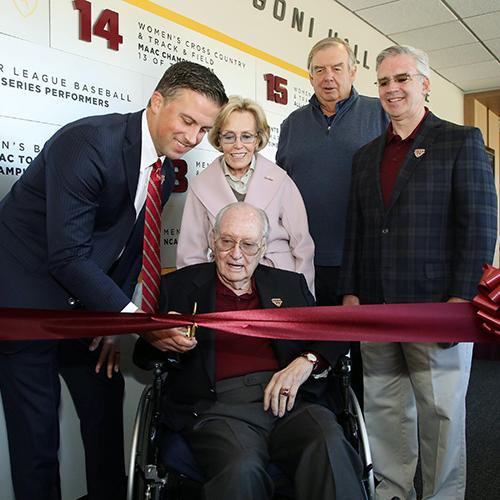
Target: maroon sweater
<point x="395" y="153"/>
<point x="238" y="355"/>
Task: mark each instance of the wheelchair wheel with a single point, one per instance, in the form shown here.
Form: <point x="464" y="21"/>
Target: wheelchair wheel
<point x="363" y="447"/>
<point x="143" y="480"/>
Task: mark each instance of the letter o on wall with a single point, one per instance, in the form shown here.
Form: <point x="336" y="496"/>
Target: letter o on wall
<point x="279" y="10"/>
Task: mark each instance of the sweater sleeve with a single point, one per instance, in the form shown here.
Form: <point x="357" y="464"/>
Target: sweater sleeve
<point x="193" y="244"/>
<point x="294" y="219"/>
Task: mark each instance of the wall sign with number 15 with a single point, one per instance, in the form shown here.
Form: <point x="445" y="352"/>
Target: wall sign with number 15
<point x="276" y="88"/>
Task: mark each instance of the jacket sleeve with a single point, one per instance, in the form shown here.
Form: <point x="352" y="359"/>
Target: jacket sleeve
<point x="193" y="244"/>
<point x="74" y="180"/>
<point x="145" y="355"/>
<point x="348" y="279"/>
<point x="294" y="219"/>
<point x="475" y="214"/>
<point x="282" y="146"/>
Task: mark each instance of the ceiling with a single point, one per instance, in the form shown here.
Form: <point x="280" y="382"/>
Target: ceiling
<point x="462" y="37"/>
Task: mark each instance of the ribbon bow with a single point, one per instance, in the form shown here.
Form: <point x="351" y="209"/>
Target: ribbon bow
<point x="487" y="300"/>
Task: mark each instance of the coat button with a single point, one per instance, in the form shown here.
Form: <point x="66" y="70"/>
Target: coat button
<point x="212" y="390"/>
<point x="195" y="415"/>
<point x="72" y="302"/>
<point x="385" y="230"/>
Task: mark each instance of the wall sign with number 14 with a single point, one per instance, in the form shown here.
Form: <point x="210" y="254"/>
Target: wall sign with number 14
<point x="105" y="26"/>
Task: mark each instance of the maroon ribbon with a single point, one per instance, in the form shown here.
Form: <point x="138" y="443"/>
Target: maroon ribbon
<point x="433" y="322"/>
<point x="487" y="301"/>
<point x="429" y="322"/>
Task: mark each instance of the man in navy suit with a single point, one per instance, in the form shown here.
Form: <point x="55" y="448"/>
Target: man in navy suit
<point x="421" y="223"/>
<point x="71" y="236"/>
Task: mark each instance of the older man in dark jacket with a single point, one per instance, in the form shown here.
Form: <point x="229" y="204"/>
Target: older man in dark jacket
<point x="241" y="401"/>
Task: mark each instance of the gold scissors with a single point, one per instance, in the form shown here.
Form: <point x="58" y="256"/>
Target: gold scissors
<point x="191" y="329"/>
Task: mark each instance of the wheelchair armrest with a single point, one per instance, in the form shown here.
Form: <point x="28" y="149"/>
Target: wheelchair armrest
<point x="343" y="366"/>
<point x="147" y="357"/>
<point x="342" y="377"/>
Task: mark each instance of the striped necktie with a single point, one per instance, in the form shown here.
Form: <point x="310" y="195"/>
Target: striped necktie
<point x="151" y="263"/>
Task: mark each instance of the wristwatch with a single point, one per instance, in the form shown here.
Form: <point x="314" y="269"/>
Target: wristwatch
<point x="311" y="357"/>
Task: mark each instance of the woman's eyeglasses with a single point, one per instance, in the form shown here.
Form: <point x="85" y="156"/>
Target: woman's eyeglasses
<point x="230" y="138"/>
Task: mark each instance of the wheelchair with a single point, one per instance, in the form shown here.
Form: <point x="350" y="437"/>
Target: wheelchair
<point x="162" y="467"/>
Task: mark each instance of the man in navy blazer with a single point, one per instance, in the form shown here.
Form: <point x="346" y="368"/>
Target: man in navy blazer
<point x="71" y="236"/>
<point x="421" y="223"/>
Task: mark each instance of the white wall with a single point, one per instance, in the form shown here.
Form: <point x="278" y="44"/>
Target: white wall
<point x="45" y="69"/>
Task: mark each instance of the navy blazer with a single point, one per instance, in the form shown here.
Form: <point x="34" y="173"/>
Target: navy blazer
<point x="439" y="227"/>
<point x="190" y="388"/>
<point x="66" y="221"/>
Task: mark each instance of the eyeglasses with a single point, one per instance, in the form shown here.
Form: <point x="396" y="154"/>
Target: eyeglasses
<point x="250" y="248"/>
<point x="230" y="138"/>
<point x="401" y="78"/>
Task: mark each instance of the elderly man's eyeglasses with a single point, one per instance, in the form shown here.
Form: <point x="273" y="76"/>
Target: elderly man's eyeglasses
<point x="250" y="248"/>
<point x="401" y="78"/>
<point x="230" y="138"/>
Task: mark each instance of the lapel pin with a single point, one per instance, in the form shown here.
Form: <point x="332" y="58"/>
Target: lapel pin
<point x="419" y="152"/>
<point x="277" y="301"/>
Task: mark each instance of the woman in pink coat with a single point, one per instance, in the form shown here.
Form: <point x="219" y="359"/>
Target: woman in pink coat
<point x="242" y="174"/>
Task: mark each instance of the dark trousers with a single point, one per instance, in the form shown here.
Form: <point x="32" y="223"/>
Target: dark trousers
<point x="30" y="387"/>
<point x="235" y="439"/>
<point x="326" y="285"/>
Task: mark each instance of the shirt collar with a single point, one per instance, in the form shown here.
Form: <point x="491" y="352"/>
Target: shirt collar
<point x="148" y="150"/>
<point x="223" y="289"/>
<point x="228" y="173"/>
<point x="392" y="136"/>
<point x="339" y="104"/>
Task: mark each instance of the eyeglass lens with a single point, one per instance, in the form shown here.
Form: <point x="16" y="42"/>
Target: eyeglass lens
<point x="247" y="247"/>
<point x="245" y="138"/>
<point x="402" y="78"/>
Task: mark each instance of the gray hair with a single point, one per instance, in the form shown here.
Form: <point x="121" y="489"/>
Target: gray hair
<point x="241" y="205"/>
<point x="331" y="41"/>
<point x="421" y="57"/>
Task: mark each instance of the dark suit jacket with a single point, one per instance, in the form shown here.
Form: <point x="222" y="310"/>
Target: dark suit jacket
<point x="66" y="220"/>
<point x="439" y="228"/>
<point x="190" y="388"/>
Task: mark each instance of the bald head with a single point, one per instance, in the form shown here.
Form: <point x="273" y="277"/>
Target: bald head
<point x="243" y="211"/>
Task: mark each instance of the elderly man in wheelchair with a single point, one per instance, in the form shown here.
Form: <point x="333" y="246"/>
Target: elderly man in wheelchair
<point x="240" y="402"/>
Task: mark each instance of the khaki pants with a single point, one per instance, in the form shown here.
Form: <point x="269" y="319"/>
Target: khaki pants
<point x="415" y="399"/>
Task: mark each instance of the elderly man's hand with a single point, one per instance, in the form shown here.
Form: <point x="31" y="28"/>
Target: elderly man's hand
<point x="282" y="389"/>
<point x="170" y="339"/>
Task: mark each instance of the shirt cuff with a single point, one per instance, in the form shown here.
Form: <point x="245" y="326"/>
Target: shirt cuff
<point x="130" y="308"/>
<point x="322" y="363"/>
